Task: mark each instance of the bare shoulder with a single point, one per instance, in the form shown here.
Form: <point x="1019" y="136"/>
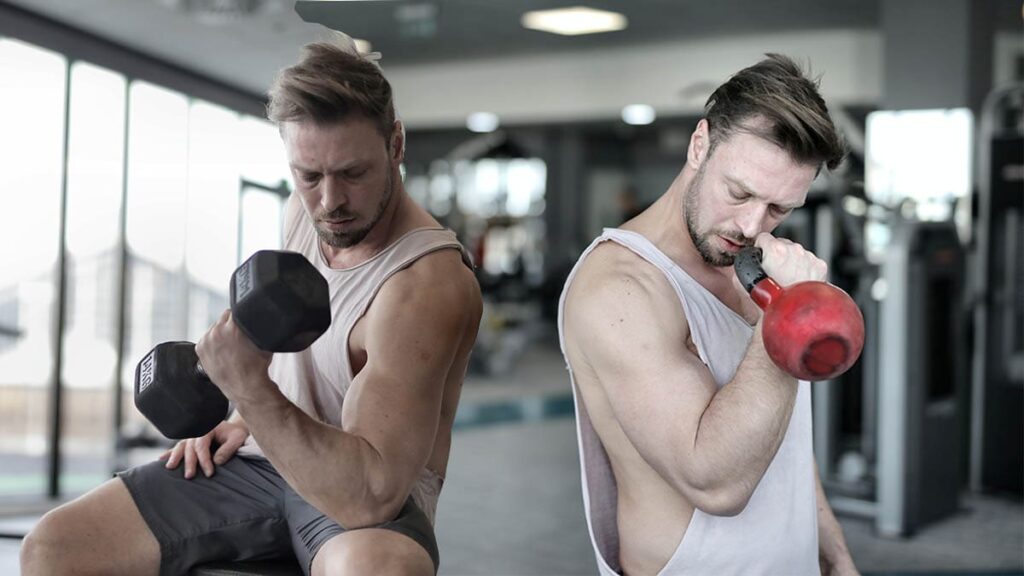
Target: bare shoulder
<point x="613" y="276"/>
<point x="617" y="294"/>
<point x="439" y="281"/>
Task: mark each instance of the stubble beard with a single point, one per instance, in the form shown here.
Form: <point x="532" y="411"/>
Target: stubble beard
<point x="701" y="240"/>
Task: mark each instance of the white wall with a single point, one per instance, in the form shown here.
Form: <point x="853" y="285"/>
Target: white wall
<point x="674" y="77"/>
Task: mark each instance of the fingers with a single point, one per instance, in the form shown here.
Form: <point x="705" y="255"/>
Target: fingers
<point x="190" y="459"/>
<point x="204" y="341"/>
<point x="230" y="436"/>
<point x="763" y="239"/>
<point x="202" y="450"/>
<point x="174" y="455"/>
<point x="225" y="452"/>
<point x="195" y="453"/>
<point x="788" y="262"/>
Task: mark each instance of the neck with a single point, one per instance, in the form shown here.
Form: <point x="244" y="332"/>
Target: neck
<point x="379" y="238"/>
<point x="664" y="224"/>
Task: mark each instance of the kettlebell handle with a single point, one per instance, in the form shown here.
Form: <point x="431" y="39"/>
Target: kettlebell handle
<point x="748" y="267"/>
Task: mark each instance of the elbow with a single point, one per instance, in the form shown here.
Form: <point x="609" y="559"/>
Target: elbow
<point x="723" y="502"/>
<point x="721" y="499"/>
<point x="366" y="515"/>
<point x="385" y="507"/>
<point x="379" y="504"/>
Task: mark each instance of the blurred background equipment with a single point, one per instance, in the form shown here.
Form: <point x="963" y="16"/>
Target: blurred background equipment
<point x="998" y="296"/>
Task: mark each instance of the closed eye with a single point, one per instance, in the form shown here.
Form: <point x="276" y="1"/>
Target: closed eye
<point x="738" y="196"/>
<point x="309" y="177"/>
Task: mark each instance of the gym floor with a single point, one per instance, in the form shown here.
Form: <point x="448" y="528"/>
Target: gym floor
<point x="511" y="503"/>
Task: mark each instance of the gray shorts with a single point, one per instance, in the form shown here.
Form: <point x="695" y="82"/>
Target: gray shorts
<point x="245" y="511"/>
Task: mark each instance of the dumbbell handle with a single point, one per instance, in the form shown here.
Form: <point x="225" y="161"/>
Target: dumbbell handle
<point x="198" y="369"/>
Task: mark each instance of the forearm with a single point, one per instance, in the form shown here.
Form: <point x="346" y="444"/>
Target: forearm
<point x="744" y="425"/>
<point x="339" y="473"/>
<point x="833" y="554"/>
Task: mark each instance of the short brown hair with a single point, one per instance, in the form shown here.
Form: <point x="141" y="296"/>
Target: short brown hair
<point x="794" y="114"/>
<point x="327" y="85"/>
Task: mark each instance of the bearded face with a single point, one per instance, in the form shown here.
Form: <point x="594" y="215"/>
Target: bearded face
<point x="346" y="175"/>
<point x="708" y="239"/>
<point x="343" y="228"/>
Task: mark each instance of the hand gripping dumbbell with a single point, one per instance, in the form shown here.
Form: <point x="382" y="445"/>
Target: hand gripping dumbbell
<point x="811" y="330"/>
<point x="278" y="300"/>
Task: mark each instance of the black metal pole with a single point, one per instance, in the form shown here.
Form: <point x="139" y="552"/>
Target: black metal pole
<point x="122" y="288"/>
<point x="57" y="384"/>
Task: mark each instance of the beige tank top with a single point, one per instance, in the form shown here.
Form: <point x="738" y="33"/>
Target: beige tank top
<point x="777" y="533"/>
<point x="317" y="379"/>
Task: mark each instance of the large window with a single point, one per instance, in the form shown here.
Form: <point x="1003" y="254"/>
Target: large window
<point x="264" y="187"/>
<point x="157" y="185"/>
<point x="94" y="190"/>
<point x="32" y="96"/>
<point x="169" y="188"/>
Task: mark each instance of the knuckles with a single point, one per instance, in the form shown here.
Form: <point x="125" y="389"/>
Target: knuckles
<point x="788" y="262"/>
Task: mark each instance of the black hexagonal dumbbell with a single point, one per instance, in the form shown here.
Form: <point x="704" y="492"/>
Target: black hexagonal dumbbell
<point x="278" y="299"/>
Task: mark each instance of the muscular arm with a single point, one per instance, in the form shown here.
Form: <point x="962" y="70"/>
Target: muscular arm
<point x="712" y="445"/>
<point x="362" y="473"/>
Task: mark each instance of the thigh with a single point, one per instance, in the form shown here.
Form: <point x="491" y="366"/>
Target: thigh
<point x="236" y="514"/>
<point x="320" y="542"/>
<point x="101" y="532"/>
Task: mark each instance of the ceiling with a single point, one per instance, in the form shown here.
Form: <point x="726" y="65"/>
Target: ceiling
<point x="453" y="29"/>
<point x="245" y="51"/>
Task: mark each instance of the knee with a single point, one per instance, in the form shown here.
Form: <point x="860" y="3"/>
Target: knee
<point x="38" y="547"/>
<point x="45" y="546"/>
<point x="378" y="558"/>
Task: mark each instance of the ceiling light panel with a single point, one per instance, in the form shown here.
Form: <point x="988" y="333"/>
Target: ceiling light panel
<point x="574" y="21"/>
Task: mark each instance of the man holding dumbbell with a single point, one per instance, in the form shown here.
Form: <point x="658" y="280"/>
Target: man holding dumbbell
<point x="341" y="447"/>
<point x="696" y="448"/>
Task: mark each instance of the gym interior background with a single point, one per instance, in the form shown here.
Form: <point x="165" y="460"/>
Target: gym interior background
<point x="137" y="170"/>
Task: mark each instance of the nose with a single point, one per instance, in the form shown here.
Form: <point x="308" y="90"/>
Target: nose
<point x="751" y="221"/>
<point x="333" y="194"/>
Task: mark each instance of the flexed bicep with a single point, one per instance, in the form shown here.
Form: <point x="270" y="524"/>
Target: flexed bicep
<point x="630" y="330"/>
<point x="412" y="339"/>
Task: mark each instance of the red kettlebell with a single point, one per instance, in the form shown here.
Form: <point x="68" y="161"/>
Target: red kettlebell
<point x="811" y="330"/>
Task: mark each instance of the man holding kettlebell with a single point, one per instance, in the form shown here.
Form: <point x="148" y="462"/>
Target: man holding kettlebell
<point x="695" y="446"/>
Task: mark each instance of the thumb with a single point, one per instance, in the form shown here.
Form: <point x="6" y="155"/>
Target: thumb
<point x="227" y="450"/>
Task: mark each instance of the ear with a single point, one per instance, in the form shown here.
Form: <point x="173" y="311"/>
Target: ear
<point x="700" y="142"/>
<point x="398" y="142"/>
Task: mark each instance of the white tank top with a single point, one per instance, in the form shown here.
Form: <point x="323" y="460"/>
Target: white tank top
<point x="777" y="533"/>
